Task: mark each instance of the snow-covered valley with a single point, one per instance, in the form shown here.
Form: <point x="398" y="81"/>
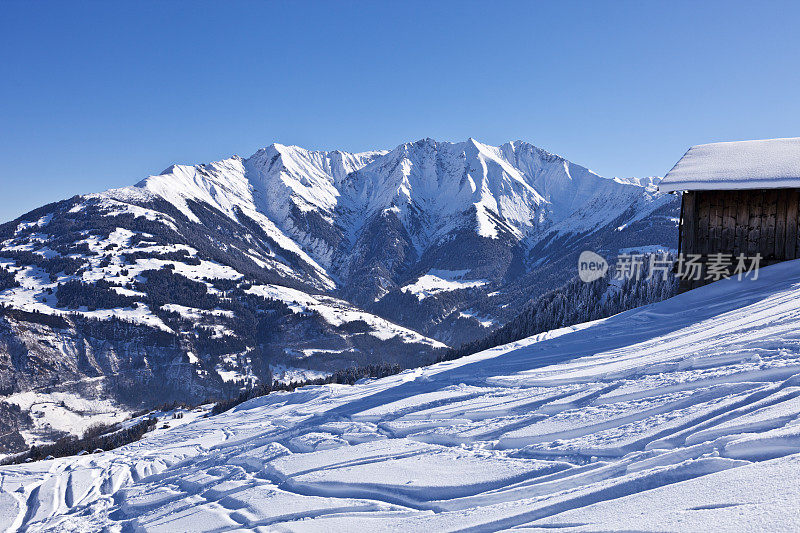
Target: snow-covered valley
<point x="669" y="417"/>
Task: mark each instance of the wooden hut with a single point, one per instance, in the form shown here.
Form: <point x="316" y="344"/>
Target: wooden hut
<point x="739" y="198"/>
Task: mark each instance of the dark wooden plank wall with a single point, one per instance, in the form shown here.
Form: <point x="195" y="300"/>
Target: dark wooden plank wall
<point x="761" y="221"/>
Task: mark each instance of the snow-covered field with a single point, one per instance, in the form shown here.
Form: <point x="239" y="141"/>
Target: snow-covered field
<point x="436" y="281"/>
<point x="338" y="312"/>
<point x="287" y="374"/>
<point x="678" y="416"/>
<point x="56" y="413"/>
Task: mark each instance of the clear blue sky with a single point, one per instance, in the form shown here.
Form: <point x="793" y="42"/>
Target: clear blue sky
<point x="99" y="95"/>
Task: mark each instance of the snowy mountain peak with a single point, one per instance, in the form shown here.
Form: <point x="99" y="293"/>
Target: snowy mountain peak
<point x="323" y="200"/>
<point x="517" y="186"/>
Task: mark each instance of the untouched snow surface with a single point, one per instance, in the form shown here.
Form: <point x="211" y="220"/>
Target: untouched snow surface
<point x="679" y="416"/>
<point x="764" y="164"/>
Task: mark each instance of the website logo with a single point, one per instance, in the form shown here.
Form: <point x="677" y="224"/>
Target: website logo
<point x="591" y="266"/>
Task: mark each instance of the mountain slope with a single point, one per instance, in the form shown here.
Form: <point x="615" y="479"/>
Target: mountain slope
<point x="666" y="417"/>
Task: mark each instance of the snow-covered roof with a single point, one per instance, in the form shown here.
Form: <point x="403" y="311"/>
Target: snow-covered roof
<point x="765" y="164"/>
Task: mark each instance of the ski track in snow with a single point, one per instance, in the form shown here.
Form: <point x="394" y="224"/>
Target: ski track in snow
<point x="672" y="417"/>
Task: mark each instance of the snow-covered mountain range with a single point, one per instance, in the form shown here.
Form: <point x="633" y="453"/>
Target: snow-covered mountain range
<point x="682" y="415"/>
<point x="203" y="277"/>
<point x="373" y="224"/>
